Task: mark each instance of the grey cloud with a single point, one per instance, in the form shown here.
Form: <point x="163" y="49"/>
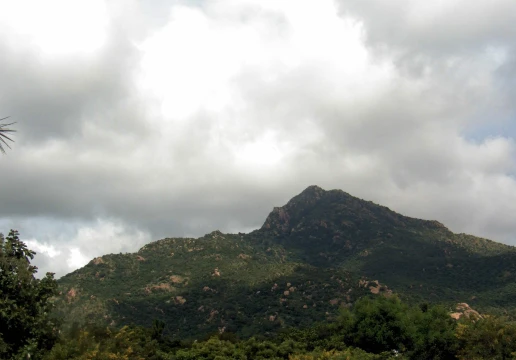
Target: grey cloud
<point x="435" y="29"/>
<point x="419" y="36"/>
<point x="54" y="98"/>
<point x="90" y="146"/>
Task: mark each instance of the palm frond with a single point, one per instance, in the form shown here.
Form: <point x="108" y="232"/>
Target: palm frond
<point x="3" y="135"/>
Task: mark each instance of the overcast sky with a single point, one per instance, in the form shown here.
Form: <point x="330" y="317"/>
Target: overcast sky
<point x="138" y="120"/>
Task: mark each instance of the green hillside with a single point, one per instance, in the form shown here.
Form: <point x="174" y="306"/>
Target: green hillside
<point x="321" y="251"/>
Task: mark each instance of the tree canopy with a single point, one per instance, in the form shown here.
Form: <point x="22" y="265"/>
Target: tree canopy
<point x="26" y="327"/>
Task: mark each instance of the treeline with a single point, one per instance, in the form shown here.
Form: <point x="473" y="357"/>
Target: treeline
<point x="374" y="328"/>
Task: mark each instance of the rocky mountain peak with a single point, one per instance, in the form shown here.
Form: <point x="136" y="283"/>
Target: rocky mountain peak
<point x="333" y="213"/>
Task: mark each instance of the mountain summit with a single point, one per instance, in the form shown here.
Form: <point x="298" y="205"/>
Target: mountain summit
<point x="330" y="225"/>
<point x="322" y="250"/>
<point x="335" y="209"/>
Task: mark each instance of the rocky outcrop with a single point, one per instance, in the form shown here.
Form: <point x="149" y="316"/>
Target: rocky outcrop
<point x="464" y="310"/>
<point x="375" y="287"/>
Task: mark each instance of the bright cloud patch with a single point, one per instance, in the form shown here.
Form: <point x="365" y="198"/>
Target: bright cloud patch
<point x="45" y="248"/>
<point x="64" y="252"/>
<point x="57" y="27"/>
<point x="76" y="259"/>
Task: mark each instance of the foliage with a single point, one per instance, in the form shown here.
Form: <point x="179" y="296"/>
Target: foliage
<point x="376" y="328"/>
<point x="128" y="343"/>
<point x="349" y="353"/>
<point x="434" y="337"/>
<point x="25" y="302"/>
<point x="378" y="325"/>
<point x="488" y="338"/>
<point x="92" y="342"/>
<point x="3" y="135"/>
<point x="387" y="325"/>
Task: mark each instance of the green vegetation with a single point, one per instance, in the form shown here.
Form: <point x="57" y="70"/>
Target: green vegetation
<point x="25" y="305"/>
<point x="374" y="328"/>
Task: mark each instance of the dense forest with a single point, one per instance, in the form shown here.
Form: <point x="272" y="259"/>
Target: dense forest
<point x="377" y="326"/>
<point x="373" y="328"/>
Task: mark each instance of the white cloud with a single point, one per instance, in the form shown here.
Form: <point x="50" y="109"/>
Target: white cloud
<point x="76" y="259"/>
<point x="43" y="248"/>
<point x="105" y="236"/>
<point x="56" y="28"/>
<point x="63" y="247"/>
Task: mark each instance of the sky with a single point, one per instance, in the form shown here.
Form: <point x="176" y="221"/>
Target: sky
<point x="138" y="120"/>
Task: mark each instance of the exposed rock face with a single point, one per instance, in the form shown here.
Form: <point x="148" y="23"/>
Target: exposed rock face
<point x="176" y="279"/>
<point x="465" y="310"/>
<point x="375" y="287"/>
<point x="279" y="220"/>
<point x="179" y="300"/>
<point x="98" y="260"/>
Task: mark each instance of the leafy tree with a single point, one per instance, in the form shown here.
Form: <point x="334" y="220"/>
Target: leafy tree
<point x="378" y="325"/>
<point x="382" y="324"/>
<point x="349" y="353"/>
<point x="488" y="338"/>
<point x="3" y="135"/>
<point x="158" y="327"/>
<point x="101" y="343"/>
<point x="212" y="349"/>
<point x="26" y="327"/>
<point x="434" y="336"/>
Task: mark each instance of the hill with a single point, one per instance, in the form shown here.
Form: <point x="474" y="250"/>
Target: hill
<point x="322" y="250"/>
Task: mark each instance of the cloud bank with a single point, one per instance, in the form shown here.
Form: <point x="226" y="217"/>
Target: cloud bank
<point x="139" y="120"/>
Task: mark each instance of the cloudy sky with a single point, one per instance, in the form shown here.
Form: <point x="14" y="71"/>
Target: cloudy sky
<point x="137" y="120"/>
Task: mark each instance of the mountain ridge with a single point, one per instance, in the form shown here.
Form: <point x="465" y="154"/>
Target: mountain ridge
<point x="320" y="251"/>
<point x="312" y="194"/>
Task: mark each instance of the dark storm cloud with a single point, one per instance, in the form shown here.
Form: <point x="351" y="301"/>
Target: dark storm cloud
<point x="54" y="98"/>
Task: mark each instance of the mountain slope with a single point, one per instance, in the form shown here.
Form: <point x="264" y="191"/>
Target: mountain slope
<point x="322" y="250"/>
<point x="333" y="228"/>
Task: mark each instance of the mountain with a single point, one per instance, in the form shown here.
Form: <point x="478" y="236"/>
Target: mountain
<point x="320" y="251"/>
